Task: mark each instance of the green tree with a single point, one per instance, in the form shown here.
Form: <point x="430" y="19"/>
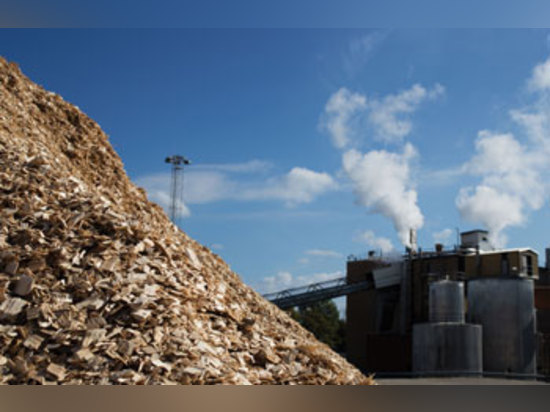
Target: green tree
<point x="323" y="320"/>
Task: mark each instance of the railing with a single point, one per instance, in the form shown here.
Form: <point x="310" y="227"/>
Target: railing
<point x="308" y="294"/>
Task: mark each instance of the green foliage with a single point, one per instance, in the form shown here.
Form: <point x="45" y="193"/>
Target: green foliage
<point x="323" y="320"/>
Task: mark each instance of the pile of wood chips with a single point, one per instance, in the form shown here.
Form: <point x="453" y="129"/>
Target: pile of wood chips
<point x="97" y="286"/>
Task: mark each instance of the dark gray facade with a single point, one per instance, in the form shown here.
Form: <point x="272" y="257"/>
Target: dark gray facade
<point x="505" y="309"/>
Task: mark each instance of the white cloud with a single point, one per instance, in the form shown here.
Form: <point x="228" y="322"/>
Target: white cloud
<point x="443" y="236"/>
<point x="511" y="184"/>
<point x="382" y="183"/>
<point x="285" y="280"/>
<point x="493" y="208"/>
<point x="158" y="191"/>
<point x="198" y="187"/>
<point x="381" y="244"/>
<point x="252" y="166"/>
<point x="341" y="116"/>
<point x="360" y="50"/>
<point x="540" y="78"/>
<point x="388" y="116"/>
<point x="201" y="185"/>
<point x="514" y="170"/>
<point x="535" y="121"/>
<point x="323" y="253"/>
<point x="300" y="185"/>
<point x="509" y="166"/>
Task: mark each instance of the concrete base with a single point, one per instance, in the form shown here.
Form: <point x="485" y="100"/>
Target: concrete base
<point x="447" y="349"/>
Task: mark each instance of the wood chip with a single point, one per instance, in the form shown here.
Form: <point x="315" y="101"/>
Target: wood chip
<point x="33" y="342"/>
<point x="11" y="267"/>
<point x="23" y="285"/>
<point x="11" y="308"/>
<point x="58" y="371"/>
<point x="97" y="286"/>
<point x="84" y="355"/>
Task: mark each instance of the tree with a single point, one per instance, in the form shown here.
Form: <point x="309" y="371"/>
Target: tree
<point x="323" y="320"/>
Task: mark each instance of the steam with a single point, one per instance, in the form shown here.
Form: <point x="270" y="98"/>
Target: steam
<point x="513" y="170"/>
<point x="382" y="183"/>
<point x="342" y="110"/>
<point x="382" y="180"/>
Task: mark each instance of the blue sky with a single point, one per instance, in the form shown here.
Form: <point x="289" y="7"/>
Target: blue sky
<point x="279" y="14"/>
<point x="310" y="145"/>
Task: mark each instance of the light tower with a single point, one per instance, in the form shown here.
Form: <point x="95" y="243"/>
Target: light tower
<point x="176" y="184"/>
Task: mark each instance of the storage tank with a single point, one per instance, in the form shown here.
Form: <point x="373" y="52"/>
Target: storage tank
<point x="447" y="349"/>
<point x="446" y="301"/>
<point x="505" y="309"/>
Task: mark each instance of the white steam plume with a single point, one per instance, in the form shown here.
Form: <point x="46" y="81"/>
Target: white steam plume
<point x="382" y="183"/>
<point x="381" y="179"/>
<point x="341" y="116"/>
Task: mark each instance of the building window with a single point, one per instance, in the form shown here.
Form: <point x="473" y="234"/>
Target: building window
<point x="527" y="263"/>
<point x="504" y="267"/>
<point x="461" y="264"/>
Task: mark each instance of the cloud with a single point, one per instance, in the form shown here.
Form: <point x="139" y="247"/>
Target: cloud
<point x="360" y="50"/>
<point x="443" y="236"/>
<point x="214" y="183"/>
<point x="300" y="185"/>
<point x="158" y="191"/>
<point x="341" y="116"/>
<point x="540" y="78"/>
<point x="514" y="169"/>
<point x="323" y="253"/>
<point x="535" y="121"/>
<point x="252" y="166"/>
<point x="285" y="280"/>
<point x="381" y="244"/>
<point x="382" y="183"/>
<point x="510" y="167"/>
<point x="510" y="184"/>
<point x="495" y="209"/>
<point x="388" y="116"/>
<point x="198" y="187"/>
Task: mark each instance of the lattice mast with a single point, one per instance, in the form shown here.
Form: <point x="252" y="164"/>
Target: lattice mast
<point x="176" y="185"/>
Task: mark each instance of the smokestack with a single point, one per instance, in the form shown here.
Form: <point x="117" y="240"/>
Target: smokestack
<point x="439" y="247"/>
<point x="412" y="239"/>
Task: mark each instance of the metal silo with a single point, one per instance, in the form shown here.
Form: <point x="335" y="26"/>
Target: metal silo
<point x="447" y="349"/>
<point x="446" y="345"/>
<point x="446" y="301"/>
<point x="505" y="309"/>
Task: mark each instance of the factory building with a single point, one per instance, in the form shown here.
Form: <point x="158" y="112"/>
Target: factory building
<point x="542" y="304"/>
<point x="465" y="310"/>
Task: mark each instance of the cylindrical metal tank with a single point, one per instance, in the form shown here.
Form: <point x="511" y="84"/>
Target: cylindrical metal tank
<point x="447" y="349"/>
<point x="505" y="309"/>
<point x="446" y="301"/>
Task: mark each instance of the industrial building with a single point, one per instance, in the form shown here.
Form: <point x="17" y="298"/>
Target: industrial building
<point x="468" y="310"/>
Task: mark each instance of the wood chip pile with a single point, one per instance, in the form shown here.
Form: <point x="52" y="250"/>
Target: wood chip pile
<point x="98" y="287"/>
